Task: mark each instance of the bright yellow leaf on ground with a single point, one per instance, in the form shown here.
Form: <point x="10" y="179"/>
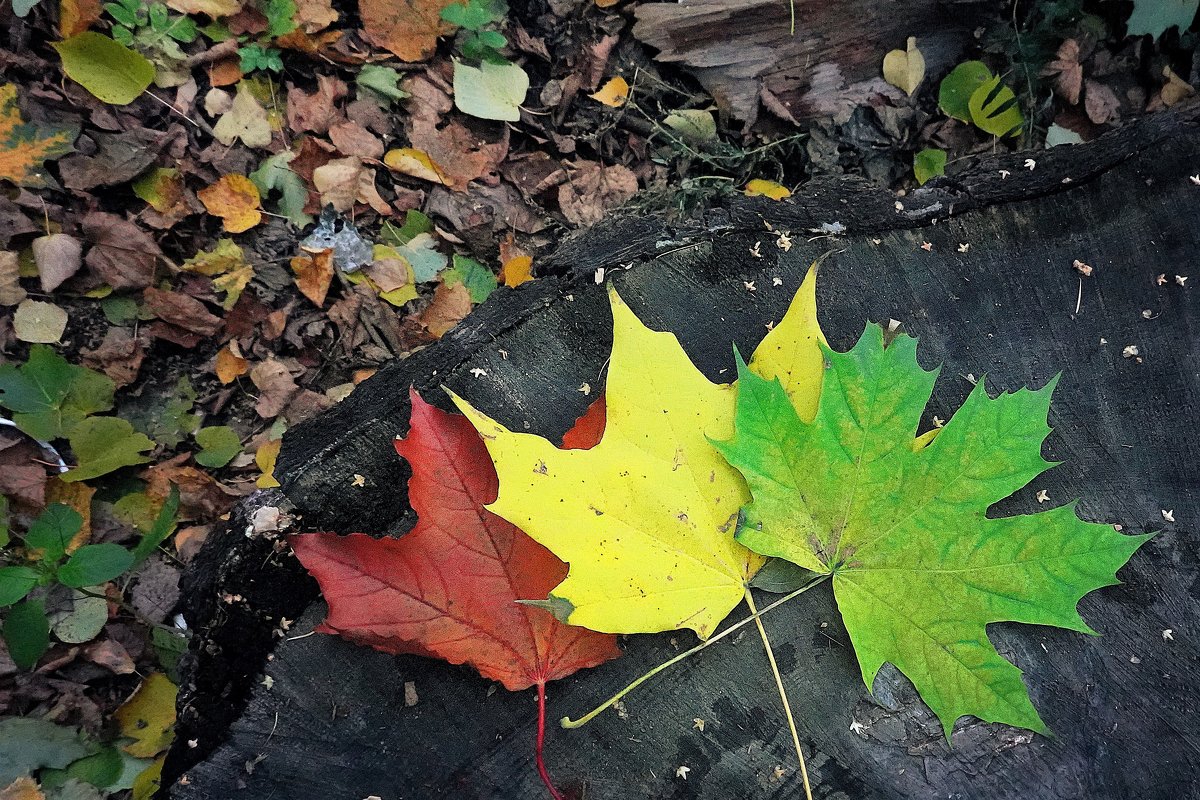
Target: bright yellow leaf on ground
<point x="414" y="163"/>
<point x="646" y="518"/>
<point x="265" y="457"/>
<point x="790" y="351"/>
<point x="614" y="93"/>
<point x="759" y="187"/>
<point x="235" y="199"/>
<point x="148" y="717"/>
<point x="517" y="270"/>
<point x="148" y="781"/>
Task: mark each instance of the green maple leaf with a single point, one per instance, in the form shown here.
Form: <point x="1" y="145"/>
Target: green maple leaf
<point x="918" y="568"/>
<point x="49" y="397"/>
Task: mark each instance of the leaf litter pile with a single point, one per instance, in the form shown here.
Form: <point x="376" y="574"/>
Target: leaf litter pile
<point x="218" y="216"/>
<point x="669" y="507"/>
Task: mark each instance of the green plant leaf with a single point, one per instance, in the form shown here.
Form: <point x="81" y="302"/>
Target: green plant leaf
<point x="94" y="564"/>
<point x="490" y="91"/>
<point x="48" y="396"/>
<point x="122" y="14"/>
<point x="479" y="280"/>
<point x="4" y="534"/>
<point x="77" y="615"/>
<point x="929" y="163"/>
<point x="52" y="531"/>
<point x="220" y="444"/>
<point x="164" y="526"/>
<point x="994" y="109"/>
<point x="1154" y="17"/>
<point x="105" y="444"/>
<point x="919" y="569"/>
<point x="281" y="17"/>
<point x="274" y="175"/>
<point x="108" y="69"/>
<point x="27" y="633"/>
<point x="383" y="82"/>
<point x="956" y="89"/>
<point x="692" y="124"/>
<point x="16" y="582"/>
<point x="414" y="223"/>
<point x="28" y="744"/>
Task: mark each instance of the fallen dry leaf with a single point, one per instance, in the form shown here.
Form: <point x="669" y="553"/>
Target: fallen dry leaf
<point x="22" y="789"/>
<point x="200" y="495"/>
<point x="25" y="146"/>
<point x="246" y="120"/>
<point x="39" y="322"/>
<point x="449" y="306"/>
<point x="414" y="163"/>
<point x="614" y="93"/>
<point x="229" y="365"/>
<point x="276" y="387"/>
<point x="1066" y="71"/>
<point x="593" y="190"/>
<point x="119" y="356"/>
<point x="390" y="273"/>
<point x="460" y="154"/>
<point x="109" y="653"/>
<point x="76" y="16"/>
<point x="314" y="274"/>
<point x="1175" y="89"/>
<point x="213" y="8"/>
<point x="352" y="139"/>
<point x="408" y="28"/>
<point x="235" y="199"/>
<point x="122" y="254"/>
<point x="313" y="15"/>
<point x="1100" y="102"/>
<point x="344" y="181"/>
<point x="318" y="111"/>
<point x="181" y="311"/>
<point x="11" y="291"/>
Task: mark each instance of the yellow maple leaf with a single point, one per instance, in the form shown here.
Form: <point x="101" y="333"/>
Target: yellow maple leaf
<point x="646" y="518"/>
<point x="25" y="146"/>
<point x="235" y="199"/>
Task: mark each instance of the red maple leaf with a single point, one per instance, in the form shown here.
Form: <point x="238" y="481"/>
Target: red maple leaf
<point x="449" y="587"/>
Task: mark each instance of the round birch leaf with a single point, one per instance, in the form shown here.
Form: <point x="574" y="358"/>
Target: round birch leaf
<point x="39" y="322"/>
<point x="108" y="69"/>
<point x="956" y="89"/>
<point x="929" y="163"/>
<point x="692" y="124"/>
<point x="492" y="91"/>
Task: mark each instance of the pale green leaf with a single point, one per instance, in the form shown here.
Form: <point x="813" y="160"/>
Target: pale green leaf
<point x="956" y="89"/>
<point x="994" y="109"/>
<point x="929" y="163"/>
<point x="479" y="280"/>
<point x="490" y="91"/>
<point x="28" y="744"/>
<point x="108" y="69"/>
<point x="103" y="445"/>
<point x="1155" y="17"/>
<point x="693" y="124"/>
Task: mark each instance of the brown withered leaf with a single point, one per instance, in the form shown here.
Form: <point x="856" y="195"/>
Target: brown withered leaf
<point x="201" y="497"/>
<point x="352" y="139"/>
<point x="1101" y="103"/>
<point x="122" y="254"/>
<point x="276" y="387"/>
<point x="593" y="190"/>
<point x="76" y="16"/>
<point x="11" y="291"/>
<point x="182" y="311"/>
<point x="1066" y="71"/>
<point x="119" y="158"/>
<point x="213" y="8"/>
<point x="314" y="274"/>
<point x="111" y="655"/>
<point x="119" y="356"/>
<point x="460" y="152"/>
<point x="449" y="306"/>
<point x="58" y="257"/>
<point x="317" y="111"/>
<point x="315" y="15"/>
<point x="21" y="476"/>
<point x="344" y="181"/>
<point x="229" y="364"/>
<point x="408" y="28"/>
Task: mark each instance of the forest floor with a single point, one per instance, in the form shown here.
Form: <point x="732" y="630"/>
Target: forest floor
<point x="218" y="216"/>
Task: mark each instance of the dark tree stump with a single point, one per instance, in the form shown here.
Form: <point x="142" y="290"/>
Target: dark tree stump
<point x="1124" y="706"/>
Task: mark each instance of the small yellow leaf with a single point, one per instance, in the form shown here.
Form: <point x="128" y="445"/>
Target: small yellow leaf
<point x="414" y="163"/>
<point x="517" y="270"/>
<point x="764" y="188"/>
<point x="905" y="69"/>
<point x="614" y="93"/>
<point x="230" y="366"/>
<point x="265" y="457"/>
<point x="148" y="717"/>
<point x="235" y="199"/>
<point x="790" y="351"/>
<point x="148" y="781"/>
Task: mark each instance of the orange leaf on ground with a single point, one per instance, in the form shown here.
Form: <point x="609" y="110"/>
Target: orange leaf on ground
<point x="22" y="789"/>
<point x="230" y="365"/>
<point x="450" y="305"/>
<point x="614" y="93"/>
<point x="25" y="145"/>
<point x="408" y="28"/>
<point x="76" y="16"/>
<point x="235" y="199"/>
<point x="314" y="273"/>
<point x="517" y="270"/>
<point x="449" y="587"/>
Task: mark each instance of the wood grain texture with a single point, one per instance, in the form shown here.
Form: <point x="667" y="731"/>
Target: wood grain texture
<point x="827" y="67"/>
<point x="1125" y="706"/>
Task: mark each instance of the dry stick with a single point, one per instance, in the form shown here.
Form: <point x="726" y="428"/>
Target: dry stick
<point x="787" y="706"/>
<point x="567" y="722"/>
